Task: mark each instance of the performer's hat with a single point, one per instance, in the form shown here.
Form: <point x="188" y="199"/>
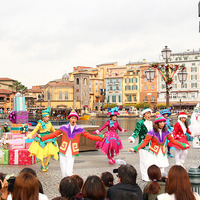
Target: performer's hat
<point x="159" y="118"/>
<point x="144" y="110"/>
<point x="166" y="111"/>
<point x="113" y="111"/>
<point x="182" y="114"/>
<point x="73" y="113"/>
<point x="46" y="112"/>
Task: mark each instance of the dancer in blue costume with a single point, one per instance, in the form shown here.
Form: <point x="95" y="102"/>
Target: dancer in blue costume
<point x="166" y="113"/>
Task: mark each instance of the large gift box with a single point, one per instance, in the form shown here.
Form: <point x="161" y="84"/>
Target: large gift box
<point x="7" y="135"/>
<point x="4" y="156"/>
<point x="21" y="117"/>
<point x="19" y="128"/>
<point x="20" y="157"/>
<point x="19" y="103"/>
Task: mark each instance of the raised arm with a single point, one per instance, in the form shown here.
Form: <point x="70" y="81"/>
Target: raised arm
<point x="51" y="135"/>
<point x="30" y="135"/>
<point x="142" y="144"/>
<point x="104" y="126"/>
<point x="92" y="137"/>
<point x="173" y="141"/>
<point x="137" y="130"/>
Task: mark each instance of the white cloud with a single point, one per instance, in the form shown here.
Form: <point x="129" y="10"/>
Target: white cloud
<point x="41" y="39"/>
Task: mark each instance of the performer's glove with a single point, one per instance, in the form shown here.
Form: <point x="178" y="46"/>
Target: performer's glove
<point x="97" y="132"/>
<point x="131" y="139"/>
<point x="123" y="130"/>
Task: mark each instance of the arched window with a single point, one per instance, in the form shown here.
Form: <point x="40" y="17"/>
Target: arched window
<point x="85" y="81"/>
<point x="60" y="95"/>
<point x="66" y="96"/>
<point x="77" y="81"/>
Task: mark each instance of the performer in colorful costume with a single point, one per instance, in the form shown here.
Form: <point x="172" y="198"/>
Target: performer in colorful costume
<point x="142" y="128"/>
<point x="111" y="143"/>
<point x="71" y="134"/>
<point x="158" y="136"/>
<point x="179" y="133"/>
<point x="166" y="113"/>
<point x="45" y="149"/>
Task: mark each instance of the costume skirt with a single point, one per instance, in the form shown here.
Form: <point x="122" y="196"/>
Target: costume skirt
<point x="111" y="142"/>
<point x="43" y="149"/>
<point x="160" y="160"/>
<point x="182" y="139"/>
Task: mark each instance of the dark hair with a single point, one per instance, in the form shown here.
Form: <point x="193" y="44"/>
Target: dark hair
<point x="179" y="183"/>
<point x="59" y="198"/>
<point x="112" y="116"/>
<point x="107" y="179"/>
<point x="26" y="187"/>
<point x="156" y="127"/>
<point x="186" y="123"/>
<point x="68" y="188"/>
<point x="154" y="174"/>
<point x="127" y="174"/>
<point x="28" y="170"/>
<point x="94" y="188"/>
<point x="40" y="187"/>
<point x="79" y="180"/>
<point x="127" y="196"/>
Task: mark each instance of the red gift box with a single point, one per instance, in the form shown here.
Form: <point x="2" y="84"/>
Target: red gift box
<point x="20" y="157"/>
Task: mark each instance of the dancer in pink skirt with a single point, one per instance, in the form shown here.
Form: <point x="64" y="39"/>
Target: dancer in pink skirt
<point x="111" y="143"/>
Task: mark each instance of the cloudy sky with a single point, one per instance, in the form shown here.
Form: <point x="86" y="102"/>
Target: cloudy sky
<point x="41" y="39"/>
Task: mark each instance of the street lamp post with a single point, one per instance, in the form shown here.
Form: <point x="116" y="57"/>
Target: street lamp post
<point x="167" y="72"/>
<point x="166" y="53"/>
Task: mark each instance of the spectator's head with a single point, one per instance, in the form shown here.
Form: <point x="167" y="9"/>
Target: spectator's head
<point x="68" y="188"/>
<point x="154" y="174"/>
<point x="94" y="188"/>
<point x="127" y="196"/>
<point x="107" y="179"/>
<point x="28" y="170"/>
<point x="26" y="187"/>
<point x="79" y="180"/>
<point x="127" y="174"/>
<point x="179" y="183"/>
<point x="31" y="171"/>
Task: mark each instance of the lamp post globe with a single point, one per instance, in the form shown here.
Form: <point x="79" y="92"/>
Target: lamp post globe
<point x="166" y="53"/>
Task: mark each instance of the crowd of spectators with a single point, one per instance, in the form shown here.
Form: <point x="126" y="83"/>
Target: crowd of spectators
<point x="176" y="186"/>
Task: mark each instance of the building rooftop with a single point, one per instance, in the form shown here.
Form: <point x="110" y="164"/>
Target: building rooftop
<point x="3" y="91"/>
<point x="6" y="79"/>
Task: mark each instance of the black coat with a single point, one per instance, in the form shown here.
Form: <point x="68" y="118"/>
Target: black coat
<point x="119" y="188"/>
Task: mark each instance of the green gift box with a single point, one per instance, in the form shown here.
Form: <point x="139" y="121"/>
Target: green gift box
<point x="4" y="156"/>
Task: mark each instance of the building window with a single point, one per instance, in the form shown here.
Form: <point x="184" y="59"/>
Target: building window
<point x="96" y="89"/>
<point x="101" y="83"/>
<point x="108" y="99"/>
<point x="85" y="81"/>
<point x="194" y="85"/>
<point x="184" y="85"/>
<point x="163" y="86"/>
<point x="134" y="98"/>
<point x="111" y="88"/>
<point x="90" y="89"/>
<point x="113" y="98"/>
<point x="193" y="77"/>
<point x="60" y="96"/>
<point x="66" y="95"/>
<point x="117" y="87"/>
<point x="145" y="98"/>
<point x="90" y="82"/>
<point x="96" y="82"/>
<point x="152" y="87"/>
<point x="152" y="98"/>
<point x="120" y="99"/>
<point x="193" y="69"/>
<point x="129" y="98"/>
<point x="193" y="64"/>
<point x="145" y="87"/>
<point x="77" y="81"/>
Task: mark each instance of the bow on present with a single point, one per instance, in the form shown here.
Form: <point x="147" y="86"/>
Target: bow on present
<point x="112" y="110"/>
<point x="12" y="117"/>
<point x="24" y="128"/>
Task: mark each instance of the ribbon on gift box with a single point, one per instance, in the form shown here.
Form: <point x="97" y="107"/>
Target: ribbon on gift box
<point x="16" y="157"/>
<point x="23" y="128"/>
<point x="12" y="117"/>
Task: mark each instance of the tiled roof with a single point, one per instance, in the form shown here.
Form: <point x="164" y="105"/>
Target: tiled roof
<point x="61" y="84"/>
<point x="6" y="79"/>
<point x="3" y="91"/>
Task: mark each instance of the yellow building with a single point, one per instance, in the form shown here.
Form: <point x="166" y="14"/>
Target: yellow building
<point x="131" y="85"/>
<point x="60" y="94"/>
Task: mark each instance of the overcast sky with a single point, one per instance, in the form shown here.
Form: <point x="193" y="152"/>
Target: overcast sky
<point x="41" y="39"/>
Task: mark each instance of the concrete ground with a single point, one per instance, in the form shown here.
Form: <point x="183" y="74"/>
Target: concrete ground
<point x="94" y="163"/>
